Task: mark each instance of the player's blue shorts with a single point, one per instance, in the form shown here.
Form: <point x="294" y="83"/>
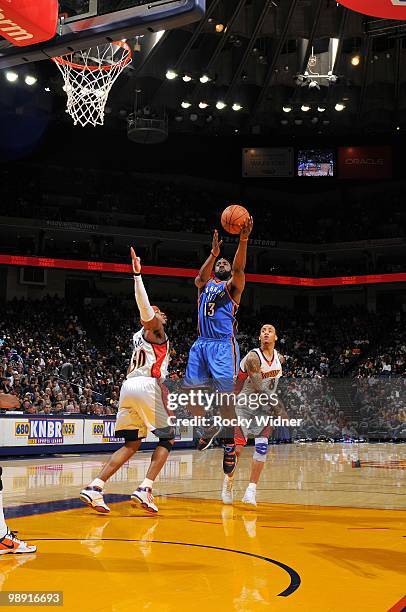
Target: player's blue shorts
<point x="213" y="359"/>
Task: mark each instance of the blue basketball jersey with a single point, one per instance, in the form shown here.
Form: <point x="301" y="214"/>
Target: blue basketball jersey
<point x="217" y="311"/>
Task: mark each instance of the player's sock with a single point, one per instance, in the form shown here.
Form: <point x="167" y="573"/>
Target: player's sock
<point x="229" y="459"/>
<point x="252" y="485"/>
<point x="147" y="482"/>
<point x="97" y="482"/>
<point x="3" y="526"/>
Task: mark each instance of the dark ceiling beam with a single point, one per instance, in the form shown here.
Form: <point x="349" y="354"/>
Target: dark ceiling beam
<point x="339" y="56"/>
<point x="276" y="55"/>
<point x="396" y="92"/>
<point x="220" y="46"/>
<point x="196" y="33"/>
<point x="316" y="13"/>
<point x="365" y="69"/>
<point x="237" y="74"/>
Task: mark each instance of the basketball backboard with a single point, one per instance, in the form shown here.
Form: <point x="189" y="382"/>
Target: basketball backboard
<point x="84" y="23"/>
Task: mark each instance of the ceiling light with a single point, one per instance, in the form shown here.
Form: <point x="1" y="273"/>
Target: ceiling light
<point x="203" y="105"/>
<point x="315" y="120"/>
<point x="204" y="78"/>
<point x="326" y="121"/>
<point x="219" y="28"/>
<point x="11" y="76"/>
<point x="194" y="117"/>
<point x="187" y="78"/>
<point x="298" y="121"/>
<point x="398" y="128"/>
<point x="339" y="107"/>
<point x="355" y="60"/>
<point x="305" y="108"/>
<point x="30" y="80"/>
<point x="220" y="105"/>
<point x="171" y="74"/>
<point x="185" y="104"/>
<point x="47" y="89"/>
<point x="179" y="118"/>
<point x="321" y="109"/>
<point x="236" y="106"/>
<point x="286" y="109"/>
<point x="284" y="121"/>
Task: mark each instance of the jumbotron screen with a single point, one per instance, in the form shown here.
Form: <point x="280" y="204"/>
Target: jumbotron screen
<point x="316" y="162"/>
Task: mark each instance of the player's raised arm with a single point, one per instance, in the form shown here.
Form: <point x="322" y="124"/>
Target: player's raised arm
<point x="253" y="369"/>
<point x="207" y="268"/>
<point x="148" y="315"/>
<point x="236" y="283"/>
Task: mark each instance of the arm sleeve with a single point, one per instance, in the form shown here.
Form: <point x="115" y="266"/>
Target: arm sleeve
<point x="146" y="311"/>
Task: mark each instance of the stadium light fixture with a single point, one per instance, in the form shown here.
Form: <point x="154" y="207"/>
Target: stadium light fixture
<point x="355" y="60"/>
<point x="220" y="105"/>
<point x="171" y="74"/>
<point x="185" y="104"/>
<point x="203" y="105"/>
<point x="30" y="80"/>
<point x="194" y="117"/>
<point x="187" y="78"/>
<point x="339" y="107"/>
<point x="298" y="121"/>
<point x="236" y="107"/>
<point x="305" y="108"/>
<point x="286" y="109"/>
<point x="219" y="28"/>
<point x="321" y="109"/>
<point x="11" y="76"/>
<point x="204" y="78"/>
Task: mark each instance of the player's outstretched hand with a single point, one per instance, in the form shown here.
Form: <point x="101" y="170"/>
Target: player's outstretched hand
<point x="215" y="247"/>
<point x="247" y="228"/>
<point x="136" y="262"/>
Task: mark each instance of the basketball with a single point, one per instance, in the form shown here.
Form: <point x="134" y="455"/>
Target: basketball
<point x="233" y="218"/>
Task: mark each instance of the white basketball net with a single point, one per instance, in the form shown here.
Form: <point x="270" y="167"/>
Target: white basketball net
<point x="89" y="75"/>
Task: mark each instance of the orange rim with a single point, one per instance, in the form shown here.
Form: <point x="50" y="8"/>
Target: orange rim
<point x="63" y="61"/>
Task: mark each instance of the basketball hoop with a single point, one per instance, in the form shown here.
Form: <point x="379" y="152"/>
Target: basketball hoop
<point x="89" y="76"/>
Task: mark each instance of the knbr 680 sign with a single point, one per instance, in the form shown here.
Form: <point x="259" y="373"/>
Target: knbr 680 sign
<point x="388" y="9"/>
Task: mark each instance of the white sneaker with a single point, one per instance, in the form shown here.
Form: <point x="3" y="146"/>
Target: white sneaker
<point x="143" y="497"/>
<point x="10" y="544"/>
<point x="249" y="497"/>
<point x="227" y="491"/>
<point x="93" y="497"/>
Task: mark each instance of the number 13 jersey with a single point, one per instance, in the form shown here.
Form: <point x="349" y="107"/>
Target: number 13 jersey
<point x="149" y="359"/>
<point x="217" y="311"/>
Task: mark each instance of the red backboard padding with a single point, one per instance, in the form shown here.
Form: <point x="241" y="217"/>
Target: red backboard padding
<point x="389" y="9"/>
<point x="27" y="22"/>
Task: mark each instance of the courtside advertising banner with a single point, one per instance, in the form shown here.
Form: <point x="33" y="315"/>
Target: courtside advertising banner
<point x="267" y="162"/>
<point x="38" y="431"/>
<point x="365" y="162"/>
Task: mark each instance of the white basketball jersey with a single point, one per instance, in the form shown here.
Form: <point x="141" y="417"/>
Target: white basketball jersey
<point x="270" y="370"/>
<point x="149" y="359"/>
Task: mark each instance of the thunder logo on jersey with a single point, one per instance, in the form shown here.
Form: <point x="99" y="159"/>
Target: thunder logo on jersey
<point x="217" y="311"/>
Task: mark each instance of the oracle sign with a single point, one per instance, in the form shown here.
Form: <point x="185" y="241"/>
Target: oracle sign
<point x="388" y="9"/>
<point x="365" y="162"/>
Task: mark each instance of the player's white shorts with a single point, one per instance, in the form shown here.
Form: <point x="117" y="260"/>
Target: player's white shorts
<point x="142" y="407"/>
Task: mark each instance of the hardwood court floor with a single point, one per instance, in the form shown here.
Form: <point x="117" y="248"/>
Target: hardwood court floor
<point x="324" y="536"/>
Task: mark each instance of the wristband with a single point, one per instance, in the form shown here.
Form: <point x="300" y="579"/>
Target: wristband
<point x="136" y="274"/>
<point x="213" y="255"/>
<point x="243" y="239"/>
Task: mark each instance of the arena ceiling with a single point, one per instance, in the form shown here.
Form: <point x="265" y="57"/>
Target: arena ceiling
<point x="284" y="66"/>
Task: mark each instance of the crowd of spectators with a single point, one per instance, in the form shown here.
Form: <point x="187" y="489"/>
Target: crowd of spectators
<point x="131" y="200"/>
<point x="59" y="359"/>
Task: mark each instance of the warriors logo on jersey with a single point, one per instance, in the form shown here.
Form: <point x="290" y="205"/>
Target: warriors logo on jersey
<point x="271" y="370"/>
<point x="149" y="359"/>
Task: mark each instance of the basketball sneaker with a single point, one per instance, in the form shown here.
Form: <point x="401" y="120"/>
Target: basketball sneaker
<point x="250" y="497"/>
<point x="207" y="437"/>
<point x="93" y="497"/>
<point x="229" y="459"/>
<point x="143" y="497"/>
<point x="10" y="544"/>
<point x="227" y="491"/>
